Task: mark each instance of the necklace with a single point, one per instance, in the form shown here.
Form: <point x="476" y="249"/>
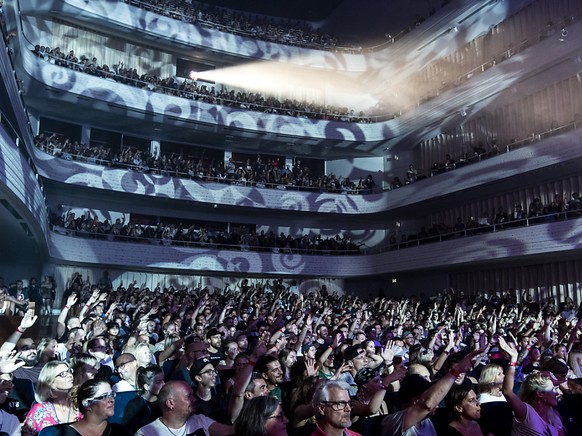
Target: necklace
<point x="57" y="415"/>
<point x="170" y="430"/>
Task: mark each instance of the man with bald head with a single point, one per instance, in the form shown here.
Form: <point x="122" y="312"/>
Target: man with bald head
<point x="177" y="403"/>
<point x="126" y="366"/>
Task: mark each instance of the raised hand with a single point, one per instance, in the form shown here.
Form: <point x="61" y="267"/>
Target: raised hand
<point x="72" y="300"/>
<point x="311" y="367"/>
<point x="28" y="320"/>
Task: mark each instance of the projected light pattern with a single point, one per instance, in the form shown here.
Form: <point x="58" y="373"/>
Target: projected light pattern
<point x="553" y="151"/>
<point x="377" y="83"/>
<point x="540" y="239"/>
<point x="17" y="176"/>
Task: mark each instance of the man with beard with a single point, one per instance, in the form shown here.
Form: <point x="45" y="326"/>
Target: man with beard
<point x="331" y="402"/>
<point x="26" y="375"/>
<point x="272" y="372"/>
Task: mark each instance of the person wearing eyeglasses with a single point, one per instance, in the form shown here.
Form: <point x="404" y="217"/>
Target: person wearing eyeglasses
<point x="208" y="403"/>
<point x="96" y="401"/>
<point x="331" y="401"/>
<point x="54" y="404"/>
<point x="126" y="366"/>
<point x="262" y="416"/>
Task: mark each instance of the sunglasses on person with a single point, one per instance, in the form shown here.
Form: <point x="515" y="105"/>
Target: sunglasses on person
<point x="104" y="397"/>
<point x="65" y="373"/>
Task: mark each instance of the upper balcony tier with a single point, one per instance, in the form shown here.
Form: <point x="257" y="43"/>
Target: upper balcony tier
<point x="552" y="158"/>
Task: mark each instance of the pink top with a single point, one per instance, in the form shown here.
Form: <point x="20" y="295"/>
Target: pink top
<point x="43" y="415"/>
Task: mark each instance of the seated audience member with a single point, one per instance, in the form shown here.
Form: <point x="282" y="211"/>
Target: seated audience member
<point x="331" y="402"/>
<point x="54" y="404"/>
<point x="144" y="408"/>
<point x="126" y="366"/>
<point x="262" y="416"/>
<point x="96" y="402"/>
<point x="9" y="408"/>
<point x="177" y="404"/>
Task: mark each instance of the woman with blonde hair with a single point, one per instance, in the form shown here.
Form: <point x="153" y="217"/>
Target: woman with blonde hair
<point x="496" y="414"/>
<point x="535" y="407"/>
<point x="53" y="401"/>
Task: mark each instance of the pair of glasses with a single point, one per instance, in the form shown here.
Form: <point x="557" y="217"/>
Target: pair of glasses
<point x="65" y="373"/>
<point x="105" y="397"/>
<point x="122" y="365"/>
<point x="337" y="405"/>
<point x="210" y="371"/>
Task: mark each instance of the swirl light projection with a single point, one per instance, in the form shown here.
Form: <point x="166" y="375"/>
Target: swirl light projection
<point x="17" y="176"/>
<point x="558" y="237"/>
<point x="552" y="151"/>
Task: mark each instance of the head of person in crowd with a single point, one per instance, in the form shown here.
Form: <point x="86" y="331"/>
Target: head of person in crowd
<point x="287" y="358"/>
<point x="177" y="401"/>
<point x="421" y="355"/>
<point x="257" y="386"/>
<point x="262" y="416"/>
<point x="47" y="350"/>
<point x="561" y="352"/>
<point x="150" y="380"/>
<point x="355" y="356"/>
<point x="143" y="354"/>
<point x="463" y="404"/>
<point x="331" y="402"/>
<point x="243" y="342"/>
<point x="270" y="368"/>
<point x="491" y="379"/>
<point x="370" y="347"/>
<point x="412" y="387"/>
<point x="421" y="370"/>
<point x="214" y="339"/>
<point x="97" y="347"/>
<point x="203" y="374"/>
<point x="85" y="367"/>
<point x="95" y="393"/>
<point x="26" y="349"/>
<point x="126" y="366"/>
<point x="451" y="361"/>
<point x="538" y="390"/>
<point x="240" y="362"/>
<point x="55" y="379"/>
<point x="557" y="369"/>
<point x="230" y="349"/>
<point x="196" y="350"/>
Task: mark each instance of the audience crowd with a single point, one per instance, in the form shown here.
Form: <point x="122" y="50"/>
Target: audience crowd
<point x="259" y="173"/>
<point x="288" y="32"/>
<point x="559" y="209"/>
<point x="191" y="234"/>
<point x="272" y="360"/>
<point x="191" y="89"/>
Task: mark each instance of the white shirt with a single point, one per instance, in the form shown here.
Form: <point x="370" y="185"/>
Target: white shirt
<point x="195" y="422"/>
